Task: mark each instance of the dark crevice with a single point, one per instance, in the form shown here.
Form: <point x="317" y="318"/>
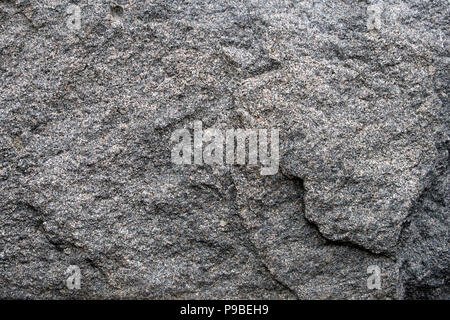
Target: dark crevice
<point x="439" y="169"/>
<point x="252" y="248"/>
<point x="300" y="183"/>
<point x="39" y="217"/>
<point x="424" y="258"/>
<point x="350" y="245"/>
<point x="279" y="282"/>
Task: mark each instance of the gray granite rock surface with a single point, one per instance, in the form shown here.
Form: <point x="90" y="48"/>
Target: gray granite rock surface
<point x="91" y="92"/>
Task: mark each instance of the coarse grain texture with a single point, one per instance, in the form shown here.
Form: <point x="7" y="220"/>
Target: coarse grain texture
<point x="86" y="177"/>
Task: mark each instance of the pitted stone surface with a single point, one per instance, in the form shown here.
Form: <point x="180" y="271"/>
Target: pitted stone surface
<point x="86" y="178"/>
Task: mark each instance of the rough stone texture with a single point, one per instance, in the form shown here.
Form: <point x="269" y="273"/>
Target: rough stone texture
<point x="85" y="171"/>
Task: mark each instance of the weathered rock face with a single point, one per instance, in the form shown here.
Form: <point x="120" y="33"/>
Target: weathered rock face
<point x="358" y="90"/>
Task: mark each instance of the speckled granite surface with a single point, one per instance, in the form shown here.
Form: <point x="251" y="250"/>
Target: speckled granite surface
<point x="91" y="91"/>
